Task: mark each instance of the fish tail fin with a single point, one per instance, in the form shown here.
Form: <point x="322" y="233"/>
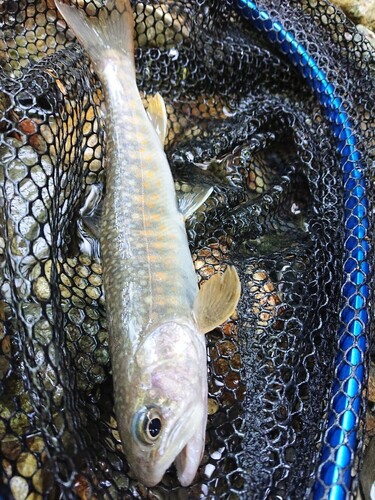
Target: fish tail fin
<point x="107" y="32"/>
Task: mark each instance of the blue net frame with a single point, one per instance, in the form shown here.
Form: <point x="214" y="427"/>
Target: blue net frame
<point x="334" y="479"/>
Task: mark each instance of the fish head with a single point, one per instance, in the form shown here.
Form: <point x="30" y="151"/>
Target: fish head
<point x="167" y="405"/>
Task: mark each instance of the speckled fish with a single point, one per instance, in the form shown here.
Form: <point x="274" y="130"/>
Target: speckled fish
<point x="156" y="313"/>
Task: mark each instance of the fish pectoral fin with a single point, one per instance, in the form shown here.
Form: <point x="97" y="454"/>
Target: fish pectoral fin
<point x="188" y="203"/>
<point x="158" y="115"/>
<point x="217" y="300"/>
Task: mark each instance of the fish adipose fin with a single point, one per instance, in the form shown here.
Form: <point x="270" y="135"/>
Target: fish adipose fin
<point x="189" y="202"/>
<point x="217" y="300"/>
<point x="107" y="32"/>
<point x="158" y="116"/>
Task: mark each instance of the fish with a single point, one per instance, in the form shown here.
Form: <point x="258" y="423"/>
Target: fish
<point x="157" y="314"/>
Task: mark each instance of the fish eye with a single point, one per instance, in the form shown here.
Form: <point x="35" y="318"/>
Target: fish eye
<point x="148" y="425"/>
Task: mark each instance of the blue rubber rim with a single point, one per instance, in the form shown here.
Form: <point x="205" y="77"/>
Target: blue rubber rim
<point x="333" y="478"/>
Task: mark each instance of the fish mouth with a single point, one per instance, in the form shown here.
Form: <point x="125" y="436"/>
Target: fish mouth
<point x="186" y="462"/>
<point x="189" y="458"/>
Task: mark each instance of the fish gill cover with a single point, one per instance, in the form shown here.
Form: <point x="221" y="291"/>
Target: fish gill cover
<point x="239" y="108"/>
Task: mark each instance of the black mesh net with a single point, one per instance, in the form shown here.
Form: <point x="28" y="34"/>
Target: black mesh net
<point x="237" y="106"/>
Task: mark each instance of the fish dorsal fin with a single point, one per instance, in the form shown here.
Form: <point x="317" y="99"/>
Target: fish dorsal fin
<point x="217" y="300"/>
<point x="189" y="202"/>
<point x="158" y="115"/>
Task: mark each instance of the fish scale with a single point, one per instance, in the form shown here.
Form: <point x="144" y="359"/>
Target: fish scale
<point x="141" y="215"/>
<point x="156" y="314"/>
<point x="286" y="348"/>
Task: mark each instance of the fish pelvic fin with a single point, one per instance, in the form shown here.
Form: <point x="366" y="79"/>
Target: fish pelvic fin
<point x="189" y="202"/>
<point x="108" y="32"/>
<point x="217" y="300"/>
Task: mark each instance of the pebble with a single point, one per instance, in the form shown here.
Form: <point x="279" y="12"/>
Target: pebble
<point x="19" y="487"/>
<point x="359" y="11"/>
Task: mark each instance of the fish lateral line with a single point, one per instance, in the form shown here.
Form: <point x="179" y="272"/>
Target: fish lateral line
<point x="129" y="275"/>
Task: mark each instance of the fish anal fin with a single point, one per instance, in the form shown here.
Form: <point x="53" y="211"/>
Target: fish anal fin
<point x="189" y="202"/>
<point x="158" y="115"/>
<point x="217" y="300"/>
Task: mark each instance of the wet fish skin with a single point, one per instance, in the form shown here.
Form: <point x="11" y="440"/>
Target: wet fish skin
<point x="147" y="287"/>
<point x="158" y="352"/>
<point x="158" y="356"/>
